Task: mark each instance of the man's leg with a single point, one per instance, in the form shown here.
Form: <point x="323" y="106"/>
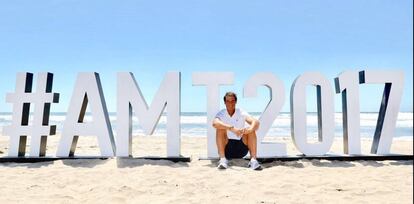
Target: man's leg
<point x="221" y="141"/>
<point x="251" y="141"/>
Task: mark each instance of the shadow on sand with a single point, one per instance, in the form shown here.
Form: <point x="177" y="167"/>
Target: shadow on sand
<point x="244" y="163"/>
<point x="314" y="162"/>
<point x="136" y="162"/>
<point x="84" y="163"/>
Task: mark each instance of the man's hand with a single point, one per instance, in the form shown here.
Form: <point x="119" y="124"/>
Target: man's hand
<point x="237" y="131"/>
<point x="248" y="130"/>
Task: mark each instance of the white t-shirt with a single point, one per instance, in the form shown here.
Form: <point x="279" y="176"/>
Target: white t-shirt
<point x="237" y="120"/>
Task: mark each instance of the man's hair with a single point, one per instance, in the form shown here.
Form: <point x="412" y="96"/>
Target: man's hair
<point x="230" y="94"/>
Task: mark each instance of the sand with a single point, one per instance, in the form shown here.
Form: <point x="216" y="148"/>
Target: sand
<point x="199" y="181"/>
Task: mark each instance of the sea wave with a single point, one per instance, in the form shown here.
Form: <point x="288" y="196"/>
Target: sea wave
<point x="195" y="124"/>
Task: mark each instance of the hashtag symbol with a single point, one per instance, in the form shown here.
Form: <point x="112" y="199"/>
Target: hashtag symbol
<point x="38" y="128"/>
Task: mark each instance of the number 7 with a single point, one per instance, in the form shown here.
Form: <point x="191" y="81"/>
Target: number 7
<point x="390" y="106"/>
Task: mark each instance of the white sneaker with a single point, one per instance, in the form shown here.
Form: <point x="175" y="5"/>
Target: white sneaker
<point x="223" y="164"/>
<point x="254" y="164"/>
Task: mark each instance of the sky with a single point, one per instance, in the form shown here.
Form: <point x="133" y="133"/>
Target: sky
<point x="150" y="38"/>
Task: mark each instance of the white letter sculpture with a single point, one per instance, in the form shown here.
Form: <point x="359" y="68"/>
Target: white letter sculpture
<point x="347" y="83"/>
<point x="129" y="97"/>
<point x="390" y="106"/>
<point x="212" y="80"/>
<point x="326" y="118"/>
<point x="39" y="129"/>
<point x="87" y="89"/>
<point x="277" y="98"/>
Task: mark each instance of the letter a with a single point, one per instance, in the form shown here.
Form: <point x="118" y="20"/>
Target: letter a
<point x="87" y="89"/>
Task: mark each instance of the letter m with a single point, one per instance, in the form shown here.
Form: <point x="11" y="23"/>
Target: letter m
<point x="130" y="100"/>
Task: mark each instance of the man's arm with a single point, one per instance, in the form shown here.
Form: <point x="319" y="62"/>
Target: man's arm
<point x="254" y="125"/>
<point x="218" y="124"/>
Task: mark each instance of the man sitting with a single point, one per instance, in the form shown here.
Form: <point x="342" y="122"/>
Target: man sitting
<point x="233" y="139"/>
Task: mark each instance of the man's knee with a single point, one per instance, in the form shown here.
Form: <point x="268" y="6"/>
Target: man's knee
<point x="252" y="134"/>
<point x="248" y="137"/>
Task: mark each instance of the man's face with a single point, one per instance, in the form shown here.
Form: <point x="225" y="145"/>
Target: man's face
<point x="230" y="103"/>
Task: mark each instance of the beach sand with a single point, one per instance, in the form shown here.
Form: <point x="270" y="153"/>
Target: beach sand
<point x="199" y="181"/>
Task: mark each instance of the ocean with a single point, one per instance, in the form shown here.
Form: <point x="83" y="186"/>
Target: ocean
<point x="194" y="124"/>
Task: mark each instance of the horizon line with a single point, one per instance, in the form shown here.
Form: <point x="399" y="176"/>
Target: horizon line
<point x="254" y="112"/>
